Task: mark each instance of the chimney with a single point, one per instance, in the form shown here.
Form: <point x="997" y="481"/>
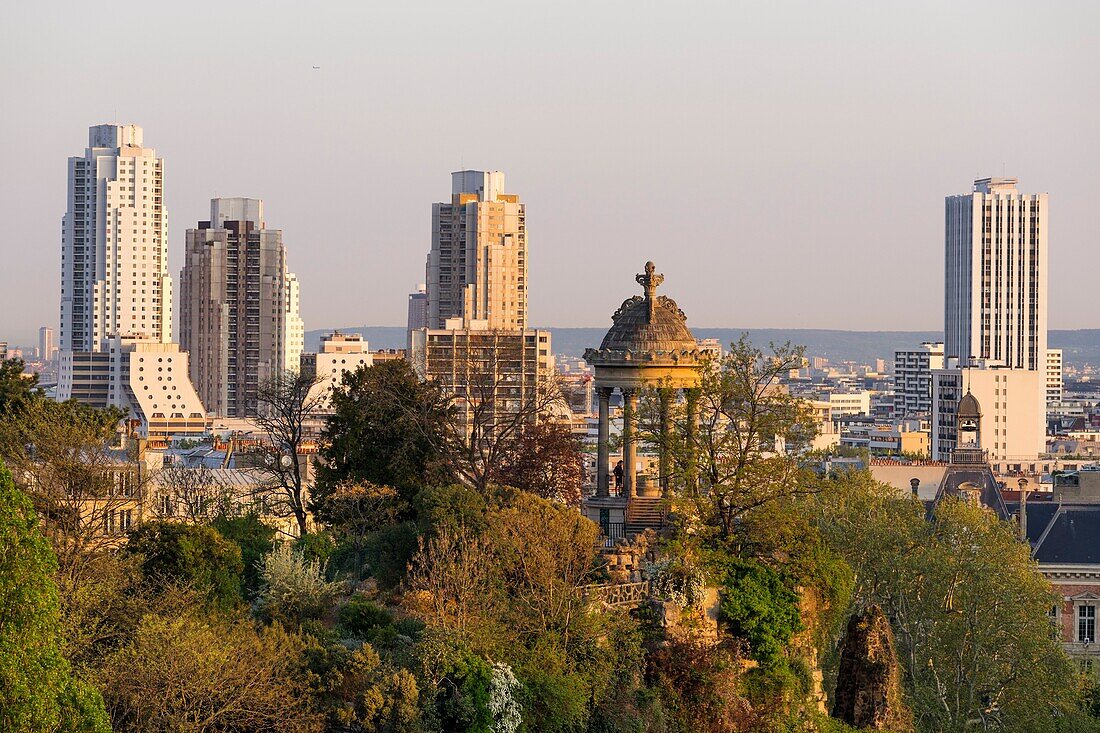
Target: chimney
<point x="914" y="484"/>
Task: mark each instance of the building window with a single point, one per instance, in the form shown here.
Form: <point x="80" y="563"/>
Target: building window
<point x="1086" y="623"/>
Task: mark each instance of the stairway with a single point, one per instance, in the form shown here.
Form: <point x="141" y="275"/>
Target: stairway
<point x="644" y="512"/>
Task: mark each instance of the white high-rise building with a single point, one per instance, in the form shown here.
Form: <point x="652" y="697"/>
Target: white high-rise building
<point x="477" y="267"/>
<point x="47" y="348"/>
<point x="115" y="342"/>
<point x="996" y="275"/>
<point x="114" y="251"/>
<point x="995" y="319"/>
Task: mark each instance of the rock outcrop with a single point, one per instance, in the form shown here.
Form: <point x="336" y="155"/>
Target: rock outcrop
<point x="868" y="687"/>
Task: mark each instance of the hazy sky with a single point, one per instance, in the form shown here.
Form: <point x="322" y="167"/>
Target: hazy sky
<point x="784" y="164"/>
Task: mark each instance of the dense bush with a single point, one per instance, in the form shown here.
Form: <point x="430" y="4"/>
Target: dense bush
<point x="192" y="555"/>
<point x="758" y="605"/>
<point x="293" y="589"/>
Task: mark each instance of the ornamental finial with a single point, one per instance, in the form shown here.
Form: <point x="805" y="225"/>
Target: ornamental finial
<point x="649" y="282"/>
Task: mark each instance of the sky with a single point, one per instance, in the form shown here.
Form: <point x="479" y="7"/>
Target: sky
<point x="783" y="163"/>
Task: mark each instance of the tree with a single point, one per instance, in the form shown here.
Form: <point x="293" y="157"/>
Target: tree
<point x="190" y="673"/>
<point x="544" y="459"/>
<point x="494" y="400"/>
<point x="16" y="388"/>
<point x="85" y="493"/>
<point x="193" y="555"/>
<point x="386" y="429"/>
<point x="37" y="689"/>
<point x="192" y="493"/>
<point x="355" y="511"/>
<point x="740" y="451"/>
<point x="967" y="603"/>
<point x="285" y="403"/>
<point x="255" y="539"/>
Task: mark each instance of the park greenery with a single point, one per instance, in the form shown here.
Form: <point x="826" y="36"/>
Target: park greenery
<point x="444" y="586"/>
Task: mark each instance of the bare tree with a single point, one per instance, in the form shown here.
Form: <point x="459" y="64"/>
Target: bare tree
<point x="192" y="493"/>
<point x="286" y="404"/>
<point x="496" y="395"/>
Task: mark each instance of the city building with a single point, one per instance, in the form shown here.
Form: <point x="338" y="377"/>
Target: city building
<point x="477" y="267"/>
<point x="339" y="354"/>
<point x="494" y="375"/>
<point x="913" y="378"/>
<point x="144" y="376"/>
<point x="47" y="346"/>
<point x="1054" y="383"/>
<point x="418" y="308"/>
<point x="238" y="306"/>
<point x="996" y="275"/>
<point x="1014" y="422"/>
<point x="116" y="294"/>
<point x="114" y="245"/>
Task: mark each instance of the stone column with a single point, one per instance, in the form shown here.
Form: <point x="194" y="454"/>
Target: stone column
<point x="630" y="450"/>
<point x="602" y="467"/>
<point x="665" y="396"/>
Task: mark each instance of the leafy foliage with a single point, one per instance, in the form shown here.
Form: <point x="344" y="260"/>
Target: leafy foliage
<point x="293" y="588"/>
<point x="760" y="607"/>
<point x="37" y="689"/>
<point x="192" y="555"/>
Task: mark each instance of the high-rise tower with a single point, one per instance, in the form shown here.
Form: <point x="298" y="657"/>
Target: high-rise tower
<point x="114" y="251"/>
<point x="477" y="267"/>
<point x="996" y="275"/>
<point x="238" y="306"/>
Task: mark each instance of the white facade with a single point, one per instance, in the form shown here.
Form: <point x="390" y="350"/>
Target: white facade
<point x="114" y="250"/>
<point x="1054" y="383"/>
<point x="340" y="354"/>
<point x="477" y="266"/>
<point x="913" y="378"/>
<point x="294" y="333"/>
<point x="1013" y="424"/>
<point x="849" y="403"/>
<point x="418" y="308"/>
<point x="47" y="347"/>
<point x="145" y="377"/>
<point x="996" y="275"/>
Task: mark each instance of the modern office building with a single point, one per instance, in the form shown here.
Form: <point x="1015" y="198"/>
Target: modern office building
<point x="47" y="345"/>
<point x="418" y="308"/>
<point x="913" y="378"/>
<point x="239" y="314"/>
<point x="1054" y="382"/>
<point x="144" y="376"/>
<point x="996" y="275"/>
<point x="477" y="267"/>
<point x="114" y="245"/>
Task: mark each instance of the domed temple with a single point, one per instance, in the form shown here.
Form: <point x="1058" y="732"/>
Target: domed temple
<point x="648" y="345"/>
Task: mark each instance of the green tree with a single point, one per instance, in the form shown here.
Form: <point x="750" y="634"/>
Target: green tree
<point x="16" y="388"/>
<point x="759" y="606"/>
<point x="968" y="605"/>
<point x="738" y="450"/>
<point x="293" y="588"/>
<point x="37" y="689"/>
<point x="193" y="555"/>
<point x="387" y="429"/>
<point x="255" y="539"/>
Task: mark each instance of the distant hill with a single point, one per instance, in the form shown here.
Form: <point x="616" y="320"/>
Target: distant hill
<point x="1079" y="347"/>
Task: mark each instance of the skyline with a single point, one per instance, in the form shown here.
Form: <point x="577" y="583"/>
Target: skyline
<point x="746" y="148"/>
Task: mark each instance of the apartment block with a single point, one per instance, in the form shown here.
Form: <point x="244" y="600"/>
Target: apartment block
<point x="913" y="378"/>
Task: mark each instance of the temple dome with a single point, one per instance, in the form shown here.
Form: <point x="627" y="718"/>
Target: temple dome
<point x="649" y="323"/>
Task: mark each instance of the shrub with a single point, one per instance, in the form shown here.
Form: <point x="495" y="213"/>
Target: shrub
<point x="361" y="617"/>
<point x="759" y="607"/>
<point x="294" y="589"/>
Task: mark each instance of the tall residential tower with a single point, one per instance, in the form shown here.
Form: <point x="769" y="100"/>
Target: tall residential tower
<point x="115" y="339"/>
<point x="477" y="267"/>
<point x="238" y="306"/>
<point x="114" y="244"/>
